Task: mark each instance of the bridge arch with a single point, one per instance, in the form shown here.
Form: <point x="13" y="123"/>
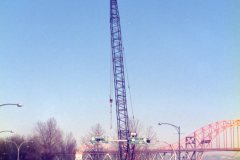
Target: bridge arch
<point x="223" y="135"/>
<point x="215" y="137"/>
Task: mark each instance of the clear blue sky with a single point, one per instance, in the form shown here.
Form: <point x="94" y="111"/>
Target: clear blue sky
<point x="182" y="60"/>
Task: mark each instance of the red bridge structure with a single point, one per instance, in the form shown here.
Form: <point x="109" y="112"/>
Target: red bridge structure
<point x="221" y="136"/>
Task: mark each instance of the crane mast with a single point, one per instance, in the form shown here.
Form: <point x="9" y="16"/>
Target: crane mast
<point x="119" y="81"/>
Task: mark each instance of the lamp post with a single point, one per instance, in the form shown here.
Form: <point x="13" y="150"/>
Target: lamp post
<point x="179" y="132"/>
<point x="11" y="104"/>
<point x="18" y="147"/>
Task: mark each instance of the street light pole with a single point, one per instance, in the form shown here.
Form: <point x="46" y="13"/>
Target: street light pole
<point x="179" y="137"/>
<point x="11" y="104"/>
<point x="18" y="147"/>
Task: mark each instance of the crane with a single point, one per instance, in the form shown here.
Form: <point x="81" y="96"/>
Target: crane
<point x="126" y="151"/>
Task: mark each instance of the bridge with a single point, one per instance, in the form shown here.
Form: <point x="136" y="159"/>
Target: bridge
<point x="221" y="136"/>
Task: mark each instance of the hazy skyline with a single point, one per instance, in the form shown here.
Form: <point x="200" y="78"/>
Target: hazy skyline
<point x="182" y="60"/>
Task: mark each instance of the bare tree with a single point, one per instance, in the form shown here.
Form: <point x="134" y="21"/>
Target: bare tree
<point x="9" y="147"/>
<point x="9" y="150"/>
<point x="96" y="131"/>
<point x="137" y="127"/>
<point x="49" y="137"/>
<point x="34" y="149"/>
<point x="69" y="148"/>
<point x="95" y="150"/>
<point x="46" y="143"/>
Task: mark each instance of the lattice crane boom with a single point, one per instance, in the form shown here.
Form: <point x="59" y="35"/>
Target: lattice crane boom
<point x="119" y="81"/>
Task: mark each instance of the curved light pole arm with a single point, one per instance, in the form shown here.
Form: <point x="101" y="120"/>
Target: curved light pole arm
<point x="22" y="144"/>
<point x="19" y="147"/>
<point x="7" y="131"/>
<point x="13" y="143"/>
<point x="176" y="127"/>
<point x="11" y="104"/>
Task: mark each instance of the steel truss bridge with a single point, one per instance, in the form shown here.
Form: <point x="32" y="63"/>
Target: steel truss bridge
<point x="222" y="136"/>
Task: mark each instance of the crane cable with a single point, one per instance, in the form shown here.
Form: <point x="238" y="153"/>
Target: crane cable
<point x="110" y="94"/>
<point x="129" y="90"/>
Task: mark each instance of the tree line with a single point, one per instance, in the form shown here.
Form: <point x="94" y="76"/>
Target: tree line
<point x="48" y="142"/>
